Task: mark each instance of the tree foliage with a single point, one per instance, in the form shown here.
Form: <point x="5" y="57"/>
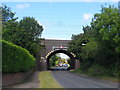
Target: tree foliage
<point x="54" y="60"/>
<point x="7" y="14"/>
<point x="9" y="23"/>
<point x="30" y="32"/>
<point x="102" y="39"/>
<point x="25" y="33"/>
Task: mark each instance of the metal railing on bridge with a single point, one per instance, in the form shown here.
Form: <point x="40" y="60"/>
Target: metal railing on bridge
<point x="59" y="48"/>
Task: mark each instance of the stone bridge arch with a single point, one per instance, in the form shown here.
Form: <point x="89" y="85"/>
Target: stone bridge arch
<point x="70" y="55"/>
<point x="51" y="47"/>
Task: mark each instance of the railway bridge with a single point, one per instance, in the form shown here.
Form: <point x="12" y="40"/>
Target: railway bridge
<point x="52" y="47"/>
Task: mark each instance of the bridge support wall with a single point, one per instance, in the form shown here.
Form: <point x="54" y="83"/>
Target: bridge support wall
<point x="77" y="64"/>
<point x="41" y="65"/>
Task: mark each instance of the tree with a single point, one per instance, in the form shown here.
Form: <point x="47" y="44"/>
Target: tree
<point x="102" y="39"/>
<point x="25" y="33"/>
<point x="9" y="24"/>
<point x="7" y="15"/>
<point x="106" y="23"/>
<point x="30" y="31"/>
<point x="54" y="59"/>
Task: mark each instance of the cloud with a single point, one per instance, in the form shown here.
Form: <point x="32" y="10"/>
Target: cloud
<point x="87" y="16"/>
<point x="98" y="0"/>
<point x="41" y="24"/>
<point x="49" y="23"/>
<point x="60" y="0"/>
<point x="56" y="38"/>
<point x="50" y="2"/>
<point x="63" y="55"/>
<point x="22" y="6"/>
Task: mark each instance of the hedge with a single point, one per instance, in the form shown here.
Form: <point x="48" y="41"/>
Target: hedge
<point x="15" y="58"/>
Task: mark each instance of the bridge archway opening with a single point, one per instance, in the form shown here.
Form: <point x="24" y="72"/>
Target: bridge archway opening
<point x="70" y="55"/>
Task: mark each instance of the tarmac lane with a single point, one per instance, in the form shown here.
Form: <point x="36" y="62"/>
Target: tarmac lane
<point x="71" y="80"/>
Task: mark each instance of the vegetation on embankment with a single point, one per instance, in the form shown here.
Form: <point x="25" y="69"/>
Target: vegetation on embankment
<point x="104" y="77"/>
<point x="47" y="80"/>
<point x="98" y="48"/>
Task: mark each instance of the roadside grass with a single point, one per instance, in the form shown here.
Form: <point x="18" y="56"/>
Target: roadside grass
<point x="47" y="80"/>
<point x="114" y="79"/>
<point x="109" y="78"/>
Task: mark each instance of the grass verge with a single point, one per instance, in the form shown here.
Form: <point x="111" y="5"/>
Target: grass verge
<point x="47" y="80"/>
<point x="114" y="79"/>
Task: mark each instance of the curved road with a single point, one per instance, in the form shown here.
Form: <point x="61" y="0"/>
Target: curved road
<point x="70" y="80"/>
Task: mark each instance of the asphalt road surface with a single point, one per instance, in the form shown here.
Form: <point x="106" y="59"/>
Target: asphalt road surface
<point x="70" y="80"/>
<point x="59" y="68"/>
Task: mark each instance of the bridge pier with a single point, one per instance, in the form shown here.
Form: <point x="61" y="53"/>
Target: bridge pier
<point x="77" y="64"/>
<point x="42" y="64"/>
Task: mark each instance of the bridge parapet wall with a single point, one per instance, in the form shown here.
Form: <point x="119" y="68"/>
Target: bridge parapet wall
<point x="49" y="43"/>
<point x="77" y="64"/>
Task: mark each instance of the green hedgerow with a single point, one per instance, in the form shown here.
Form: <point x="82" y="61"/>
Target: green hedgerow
<point x="15" y="58"/>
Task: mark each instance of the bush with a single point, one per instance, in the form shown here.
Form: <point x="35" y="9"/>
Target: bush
<point x="15" y="58"/>
<point x="97" y="70"/>
<point x="116" y="70"/>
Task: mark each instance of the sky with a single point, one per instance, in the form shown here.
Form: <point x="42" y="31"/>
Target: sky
<point x="62" y="55"/>
<point x="60" y="20"/>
